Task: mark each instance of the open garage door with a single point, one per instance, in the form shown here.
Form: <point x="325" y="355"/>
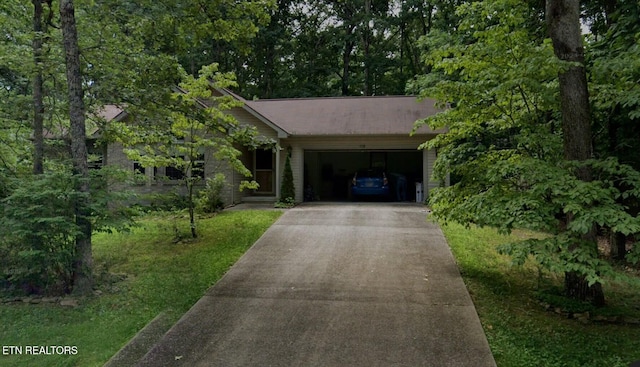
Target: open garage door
<point x="328" y="174"/>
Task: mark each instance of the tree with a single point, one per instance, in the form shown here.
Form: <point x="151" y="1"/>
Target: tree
<point x="506" y="145"/>
<point x="83" y="261"/>
<point x="331" y="48"/>
<point x="563" y="21"/>
<point x="287" y="189"/>
<point x="38" y="105"/>
<point x="16" y="100"/>
<point x="613" y="60"/>
<point x="197" y="129"/>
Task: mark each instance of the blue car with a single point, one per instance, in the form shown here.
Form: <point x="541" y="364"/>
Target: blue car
<point x="370" y="183"/>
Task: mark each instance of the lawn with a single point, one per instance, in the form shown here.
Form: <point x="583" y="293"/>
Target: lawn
<point x="140" y="275"/>
<point x="522" y="329"/>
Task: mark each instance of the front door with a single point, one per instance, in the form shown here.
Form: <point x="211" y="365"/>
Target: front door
<point x="263" y="171"/>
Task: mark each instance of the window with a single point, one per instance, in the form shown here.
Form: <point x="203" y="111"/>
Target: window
<point x="173" y="173"/>
<point x="138" y="168"/>
<point x="197" y="169"/>
<point x="139" y="174"/>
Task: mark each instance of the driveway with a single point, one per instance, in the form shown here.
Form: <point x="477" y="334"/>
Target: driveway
<point x="367" y="284"/>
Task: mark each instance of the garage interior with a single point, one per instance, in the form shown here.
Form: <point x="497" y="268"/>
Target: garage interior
<point x="328" y="174"/>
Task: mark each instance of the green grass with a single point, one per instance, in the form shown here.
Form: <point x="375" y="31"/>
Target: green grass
<point x="153" y="275"/>
<point x="520" y="331"/>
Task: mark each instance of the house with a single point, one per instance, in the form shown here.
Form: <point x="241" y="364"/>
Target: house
<point x="328" y="139"/>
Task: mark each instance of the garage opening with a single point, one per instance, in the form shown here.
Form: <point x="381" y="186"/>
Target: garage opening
<point x="328" y="174"/>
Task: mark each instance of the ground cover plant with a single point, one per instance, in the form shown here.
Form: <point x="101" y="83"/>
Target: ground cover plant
<point x="527" y="323"/>
<point x="139" y="275"/>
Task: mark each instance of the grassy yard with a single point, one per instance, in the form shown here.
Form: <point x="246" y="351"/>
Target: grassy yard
<point x="144" y="273"/>
<point x="520" y="330"/>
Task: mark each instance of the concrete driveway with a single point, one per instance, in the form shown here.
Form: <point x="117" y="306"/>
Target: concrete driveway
<point x="367" y="284"/>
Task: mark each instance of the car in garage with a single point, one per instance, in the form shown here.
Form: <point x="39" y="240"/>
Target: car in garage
<point x="370" y="183"/>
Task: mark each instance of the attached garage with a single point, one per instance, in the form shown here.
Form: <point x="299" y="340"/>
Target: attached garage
<point x="328" y="174"/>
<point x="328" y="139"/>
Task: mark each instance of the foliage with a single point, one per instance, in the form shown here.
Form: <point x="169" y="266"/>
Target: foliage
<point x="38" y="228"/>
<point x="314" y="48"/>
<point x="520" y="330"/>
<point x="614" y="65"/>
<point x="505" y="146"/>
<point x="287" y="188"/>
<point x="110" y="205"/>
<point x="164" y="202"/>
<point x="210" y="199"/>
<point x="129" y="56"/>
<point x="38" y="233"/>
<point x="197" y="133"/>
<point x="143" y="274"/>
<point x="286" y="203"/>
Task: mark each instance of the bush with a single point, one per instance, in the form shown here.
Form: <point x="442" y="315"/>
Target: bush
<point x="111" y="209"/>
<point x="172" y="201"/>
<point x="287" y="189"/>
<point x="210" y="199"/>
<point x="287" y="203"/>
<point x="37" y="234"/>
<point x="38" y="230"/>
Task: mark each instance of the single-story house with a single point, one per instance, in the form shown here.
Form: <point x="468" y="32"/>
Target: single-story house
<point x="328" y="139"/>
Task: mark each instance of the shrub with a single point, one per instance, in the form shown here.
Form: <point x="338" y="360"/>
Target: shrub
<point x="210" y="199"/>
<point x="287" y="189"/>
<point x="172" y="201"/>
<point x="38" y="230"/>
<point x="37" y="234"/>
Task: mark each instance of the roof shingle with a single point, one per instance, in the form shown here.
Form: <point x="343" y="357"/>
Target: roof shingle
<point x="389" y="115"/>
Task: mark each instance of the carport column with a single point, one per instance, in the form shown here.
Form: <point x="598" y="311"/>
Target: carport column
<point x="297" y="168"/>
<point x="429" y="160"/>
<point x="425" y="172"/>
<point x="277" y="171"/>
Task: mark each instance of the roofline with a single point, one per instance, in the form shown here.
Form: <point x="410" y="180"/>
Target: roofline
<point x="409" y="134"/>
<point x="184" y="91"/>
<point x="282" y="133"/>
<point x="119" y="117"/>
<point x="333" y="97"/>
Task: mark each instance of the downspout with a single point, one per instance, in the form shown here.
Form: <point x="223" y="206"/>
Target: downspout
<point x="278" y="173"/>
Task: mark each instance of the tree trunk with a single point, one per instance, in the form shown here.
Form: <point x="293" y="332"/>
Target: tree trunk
<point x="563" y="21"/>
<point x="83" y="262"/>
<point x="38" y="90"/>
<point x="190" y="199"/>
<point x="346" y="65"/>
<point x="618" y="242"/>
<point x="366" y="42"/>
<point x="577" y="287"/>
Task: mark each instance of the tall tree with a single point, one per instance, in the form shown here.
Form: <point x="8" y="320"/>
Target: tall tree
<point x="511" y="164"/>
<point x="38" y="103"/>
<point x="16" y="99"/>
<point x="83" y="261"/>
<point x="563" y="22"/>
<point x="614" y="65"/>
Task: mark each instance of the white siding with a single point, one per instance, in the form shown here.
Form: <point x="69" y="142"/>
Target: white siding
<point x="430" y="158"/>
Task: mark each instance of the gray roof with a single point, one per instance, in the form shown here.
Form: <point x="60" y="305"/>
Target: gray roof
<point x="331" y="116"/>
<point x="389" y="115"/>
<point x="110" y="112"/>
